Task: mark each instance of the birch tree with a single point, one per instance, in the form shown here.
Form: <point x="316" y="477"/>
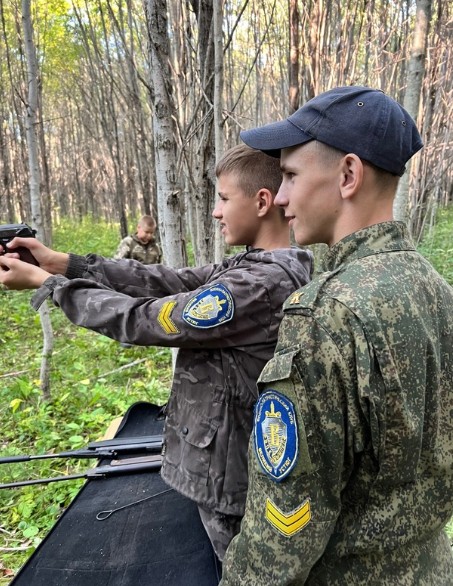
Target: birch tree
<point x="31" y="123"/>
<point x="169" y="193"/>
<point x="414" y="84"/>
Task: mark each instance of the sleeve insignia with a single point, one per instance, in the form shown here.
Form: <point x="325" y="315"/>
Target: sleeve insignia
<point x="209" y="308"/>
<point x="295" y="298"/>
<point x="288" y="524"/>
<point x="275" y="434"/>
<point x="164" y="318"/>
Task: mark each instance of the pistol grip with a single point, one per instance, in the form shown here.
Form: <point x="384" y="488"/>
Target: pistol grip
<point x="26" y="255"/>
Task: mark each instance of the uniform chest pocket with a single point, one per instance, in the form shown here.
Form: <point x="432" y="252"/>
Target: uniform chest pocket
<point x="277" y="441"/>
<point x="190" y="440"/>
<point x="200" y="433"/>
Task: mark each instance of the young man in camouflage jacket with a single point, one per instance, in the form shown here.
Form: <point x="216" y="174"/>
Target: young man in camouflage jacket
<point x="351" y="458"/>
<point x="142" y="245"/>
<point x="223" y="318"/>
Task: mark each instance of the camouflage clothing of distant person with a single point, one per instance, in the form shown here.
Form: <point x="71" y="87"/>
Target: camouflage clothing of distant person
<point x="351" y="455"/>
<point x="223" y="317"/>
<point x="142" y="245"/>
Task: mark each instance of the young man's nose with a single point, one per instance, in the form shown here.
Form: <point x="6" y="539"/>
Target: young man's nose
<point x="281" y="198"/>
<point x="216" y="213"/>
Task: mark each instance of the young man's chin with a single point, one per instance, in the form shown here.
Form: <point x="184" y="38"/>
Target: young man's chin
<point x="235" y="242"/>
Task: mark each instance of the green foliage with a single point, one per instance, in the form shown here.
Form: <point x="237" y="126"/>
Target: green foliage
<point x="86" y="236"/>
<point x="437" y="246"/>
<point x="88" y="391"/>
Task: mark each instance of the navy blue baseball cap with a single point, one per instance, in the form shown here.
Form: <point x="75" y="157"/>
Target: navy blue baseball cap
<point x="352" y="119"/>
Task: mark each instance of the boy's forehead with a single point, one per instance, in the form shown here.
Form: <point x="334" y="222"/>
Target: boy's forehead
<point x="228" y="179"/>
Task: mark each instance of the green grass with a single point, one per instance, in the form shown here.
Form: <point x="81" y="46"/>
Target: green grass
<point x="86" y="394"/>
<point x="85" y="397"/>
<point x="437" y="246"/>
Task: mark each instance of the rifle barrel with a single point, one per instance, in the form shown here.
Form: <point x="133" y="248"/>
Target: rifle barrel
<point x="95" y="451"/>
<point x="118" y="467"/>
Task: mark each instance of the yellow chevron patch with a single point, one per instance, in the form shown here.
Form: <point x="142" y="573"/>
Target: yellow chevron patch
<point x="288" y="524"/>
<point x="164" y="319"/>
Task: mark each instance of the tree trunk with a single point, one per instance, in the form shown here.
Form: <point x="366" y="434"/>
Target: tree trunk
<point x="294" y="51"/>
<point x="169" y="192"/>
<point x="219" y="242"/>
<point x="31" y="121"/>
<point x="411" y="102"/>
<point x="202" y="198"/>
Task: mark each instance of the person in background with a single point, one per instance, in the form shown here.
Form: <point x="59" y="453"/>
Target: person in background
<point x="223" y="318"/>
<point x="351" y="455"/>
<point x="142" y="245"/>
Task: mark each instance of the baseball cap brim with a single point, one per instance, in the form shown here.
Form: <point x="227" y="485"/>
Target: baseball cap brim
<point x="274" y="137"/>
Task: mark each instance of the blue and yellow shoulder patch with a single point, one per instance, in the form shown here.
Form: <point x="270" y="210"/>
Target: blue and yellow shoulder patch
<point x="209" y="308"/>
<point x="275" y="433"/>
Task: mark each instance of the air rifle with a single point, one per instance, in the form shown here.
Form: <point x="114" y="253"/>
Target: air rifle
<point x="115" y="468"/>
<point x="101" y="449"/>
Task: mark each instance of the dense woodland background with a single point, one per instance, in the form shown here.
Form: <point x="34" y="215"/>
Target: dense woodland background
<point x="129" y="102"/>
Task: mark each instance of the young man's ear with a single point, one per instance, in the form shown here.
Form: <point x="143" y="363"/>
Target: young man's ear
<point x="351" y="175"/>
<point x="264" y="200"/>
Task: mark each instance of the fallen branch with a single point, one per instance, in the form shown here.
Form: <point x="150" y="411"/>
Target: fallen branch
<point x="13" y="373"/>
<point x="124" y="367"/>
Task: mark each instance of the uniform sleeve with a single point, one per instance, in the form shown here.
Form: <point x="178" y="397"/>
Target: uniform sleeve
<point x="290" y="516"/>
<point x="124" y="248"/>
<point x="136" y="279"/>
<point x="232" y="311"/>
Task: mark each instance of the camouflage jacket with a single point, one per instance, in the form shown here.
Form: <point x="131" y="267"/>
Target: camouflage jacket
<point x="132" y="247"/>
<point x="351" y="456"/>
<point x="224" y="319"/>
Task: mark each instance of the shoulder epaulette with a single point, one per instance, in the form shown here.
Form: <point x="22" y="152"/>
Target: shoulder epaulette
<point x="306" y="296"/>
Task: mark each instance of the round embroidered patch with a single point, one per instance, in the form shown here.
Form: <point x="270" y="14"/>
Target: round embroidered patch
<point x="211" y="307"/>
<point x="275" y="431"/>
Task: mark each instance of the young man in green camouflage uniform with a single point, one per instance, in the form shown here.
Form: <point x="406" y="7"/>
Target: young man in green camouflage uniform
<point x="142" y="245"/>
<point x="223" y="317"/>
<point x="351" y="456"/>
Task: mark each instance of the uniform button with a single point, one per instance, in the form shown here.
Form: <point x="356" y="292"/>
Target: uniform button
<point x="185" y="430"/>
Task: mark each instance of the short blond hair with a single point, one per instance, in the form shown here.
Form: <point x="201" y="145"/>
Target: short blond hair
<point x="253" y="169"/>
<point x="147" y="221"/>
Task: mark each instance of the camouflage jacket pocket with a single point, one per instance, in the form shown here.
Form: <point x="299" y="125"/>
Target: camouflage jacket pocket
<point x="277" y="369"/>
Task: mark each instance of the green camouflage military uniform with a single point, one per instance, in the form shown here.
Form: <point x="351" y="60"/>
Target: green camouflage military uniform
<point x="365" y="354"/>
<point x="224" y="319"/>
<point x="146" y="253"/>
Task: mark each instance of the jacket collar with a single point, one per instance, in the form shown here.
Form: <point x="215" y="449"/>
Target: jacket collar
<point x="383" y="237"/>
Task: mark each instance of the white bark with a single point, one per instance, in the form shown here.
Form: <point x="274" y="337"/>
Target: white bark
<point x="31" y="121"/>
<point x="415" y="73"/>
<point x="169" y="192"/>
